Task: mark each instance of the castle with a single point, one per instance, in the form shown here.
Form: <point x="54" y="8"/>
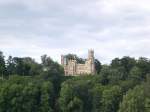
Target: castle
<point x="73" y="68"/>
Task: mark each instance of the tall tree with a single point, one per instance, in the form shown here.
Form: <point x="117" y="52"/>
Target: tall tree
<point x="144" y="65"/>
<point x="111" y="98"/>
<point x="98" y="66"/>
<point x="10" y="66"/>
<point x="133" y="101"/>
<point x="75" y="57"/>
<point x="2" y="65"/>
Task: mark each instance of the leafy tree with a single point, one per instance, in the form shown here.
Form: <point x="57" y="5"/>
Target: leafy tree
<point x="98" y="66"/>
<point x="128" y="63"/>
<point x="128" y="84"/>
<point x="114" y="76"/>
<point x="97" y="98"/>
<point x="52" y="71"/>
<point x="10" y="66"/>
<point x="21" y="94"/>
<point x="104" y="75"/>
<point x="110" y="75"/>
<point x="116" y="63"/>
<point x="81" y="89"/>
<point x="2" y="64"/>
<point x="50" y="66"/>
<point x="76" y="105"/>
<point x="111" y="98"/>
<point x="75" y="57"/>
<point x="66" y="95"/>
<point x="124" y="65"/>
<point x="146" y="94"/>
<point x="135" y="73"/>
<point x="47" y="96"/>
<point x="31" y="98"/>
<point x="23" y="66"/>
<point x="144" y="65"/>
<point x="44" y="88"/>
<point x="133" y="101"/>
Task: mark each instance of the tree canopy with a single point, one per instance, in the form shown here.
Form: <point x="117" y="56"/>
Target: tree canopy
<point x="29" y="86"/>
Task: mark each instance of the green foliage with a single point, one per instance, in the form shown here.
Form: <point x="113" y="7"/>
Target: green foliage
<point x="46" y="97"/>
<point x="111" y="98"/>
<point x="97" y="98"/>
<point x="93" y="95"/>
<point x="22" y="66"/>
<point x="136" y="73"/>
<point x="104" y="75"/>
<point x="126" y="62"/>
<point x="133" y="101"/>
<point x="144" y="65"/>
<point x="75" y="57"/>
<point x="98" y="66"/>
<point x="73" y="89"/>
<point x="122" y="86"/>
<point x="19" y="94"/>
<point x="2" y="65"/>
<point x="75" y="105"/>
<point x="50" y="66"/>
<point x="123" y="65"/>
<point x="146" y="86"/>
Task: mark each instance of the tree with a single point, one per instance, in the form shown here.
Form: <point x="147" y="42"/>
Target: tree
<point x="133" y="101"/>
<point x="66" y="95"/>
<point x="115" y="63"/>
<point x="97" y="98"/>
<point x="47" y="96"/>
<point x="10" y="66"/>
<point x="111" y="98"/>
<point x="135" y="73"/>
<point x="105" y="71"/>
<point x="76" y="90"/>
<point x="76" y="105"/>
<point x="75" y="57"/>
<point x="98" y="66"/>
<point x="23" y="66"/>
<point x="23" y="94"/>
<point x="50" y="66"/>
<point x="52" y="71"/>
<point x="2" y="64"/>
<point x="146" y="94"/>
<point x="128" y="63"/>
<point x="144" y="65"/>
<point x="125" y="64"/>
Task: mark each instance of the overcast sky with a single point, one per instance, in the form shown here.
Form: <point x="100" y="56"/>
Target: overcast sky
<point x="113" y="28"/>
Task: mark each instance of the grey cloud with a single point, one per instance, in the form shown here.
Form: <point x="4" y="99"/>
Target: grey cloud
<point x="113" y="29"/>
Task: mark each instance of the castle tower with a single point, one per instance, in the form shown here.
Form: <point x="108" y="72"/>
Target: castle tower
<point x="91" y="59"/>
<point x="62" y="59"/>
<point x="90" y="54"/>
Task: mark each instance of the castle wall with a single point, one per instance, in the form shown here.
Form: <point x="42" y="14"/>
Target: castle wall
<point x="81" y="68"/>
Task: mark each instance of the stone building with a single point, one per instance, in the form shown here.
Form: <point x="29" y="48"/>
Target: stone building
<point x="72" y="68"/>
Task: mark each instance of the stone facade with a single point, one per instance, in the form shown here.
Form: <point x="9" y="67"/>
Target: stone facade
<point x="72" y="68"/>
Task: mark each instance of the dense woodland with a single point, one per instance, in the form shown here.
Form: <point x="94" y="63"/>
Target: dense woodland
<point x="27" y="86"/>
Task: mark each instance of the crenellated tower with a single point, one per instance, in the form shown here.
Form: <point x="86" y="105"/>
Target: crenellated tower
<point x="91" y="61"/>
<point x="62" y="59"/>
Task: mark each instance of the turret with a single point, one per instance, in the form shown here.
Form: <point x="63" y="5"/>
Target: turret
<point x="62" y="59"/>
<point x="91" y="59"/>
<point x="90" y="54"/>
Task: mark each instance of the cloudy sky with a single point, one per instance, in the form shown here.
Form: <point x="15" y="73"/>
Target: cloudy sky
<point x="113" y="28"/>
